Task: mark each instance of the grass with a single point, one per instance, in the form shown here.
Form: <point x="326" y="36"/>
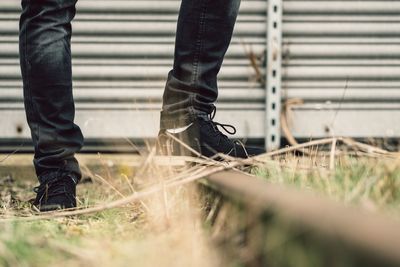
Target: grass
<point x="371" y="183"/>
<point x="367" y="182"/>
<point x="168" y="229"/>
<point x="163" y="230"/>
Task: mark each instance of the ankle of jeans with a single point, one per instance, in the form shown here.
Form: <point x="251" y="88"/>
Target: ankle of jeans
<point x="173" y="122"/>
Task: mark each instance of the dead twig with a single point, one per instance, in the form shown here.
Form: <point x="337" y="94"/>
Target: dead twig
<point x="297" y="147"/>
<point x="254" y="63"/>
<point x="331" y="126"/>
<point x="332" y="156"/>
<point x="109" y="184"/>
<point x="285" y="117"/>
<point x="12" y="153"/>
<point x="365" y="147"/>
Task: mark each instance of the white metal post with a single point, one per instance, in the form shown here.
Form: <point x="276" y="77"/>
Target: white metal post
<point x="274" y="75"/>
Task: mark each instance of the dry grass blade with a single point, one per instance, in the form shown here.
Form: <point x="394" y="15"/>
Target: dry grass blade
<point x="10" y="154"/>
<point x="209" y="160"/>
<point x="254" y="63"/>
<point x="365" y="147"/>
<point x="285" y="117"/>
<point x="128" y="182"/>
<point x="346" y="86"/>
<point x="129" y="199"/>
<point x="190" y="149"/>
<point x="297" y="147"/>
<point x="332" y="156"/>
<point x="135" y="147"/>
<point x="104" y="164"/>
<point x="109" y="184"/>
<point x="201" y="172"/>
<point x="146" y="163"/>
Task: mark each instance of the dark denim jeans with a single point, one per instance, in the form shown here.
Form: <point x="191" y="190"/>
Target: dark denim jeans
<point x="45" y="57"/>
<point x="203" y="35"/>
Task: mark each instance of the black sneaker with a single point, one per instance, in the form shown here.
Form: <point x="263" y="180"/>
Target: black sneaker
<point x="56" y="194"/>
<point x="204" y="137"/>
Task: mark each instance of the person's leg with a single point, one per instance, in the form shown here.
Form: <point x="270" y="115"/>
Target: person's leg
<point x="45" y="57"/>
<point x="203" y="35"/>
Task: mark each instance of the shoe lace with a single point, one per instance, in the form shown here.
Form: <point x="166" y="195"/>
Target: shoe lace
<point x="228" y="128"/>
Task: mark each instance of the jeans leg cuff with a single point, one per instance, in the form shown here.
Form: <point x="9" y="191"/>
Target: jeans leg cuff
<point x="171" y="122"/>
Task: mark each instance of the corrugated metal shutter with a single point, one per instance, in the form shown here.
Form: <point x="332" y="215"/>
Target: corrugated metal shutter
<point x="122" y="52"/>
<point x="327" y="43"/>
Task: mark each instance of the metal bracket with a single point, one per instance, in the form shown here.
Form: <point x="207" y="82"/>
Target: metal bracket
<point x="273" y="75"/>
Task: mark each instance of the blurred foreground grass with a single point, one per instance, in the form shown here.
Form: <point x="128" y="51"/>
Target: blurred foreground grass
<point x="168" y="229"/>
<point x="164" y="229"/>
<point x="371" y="184"/>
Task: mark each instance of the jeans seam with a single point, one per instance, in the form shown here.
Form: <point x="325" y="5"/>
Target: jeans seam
<point x="199" y="43"/>
<point x="27" y="69"/>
